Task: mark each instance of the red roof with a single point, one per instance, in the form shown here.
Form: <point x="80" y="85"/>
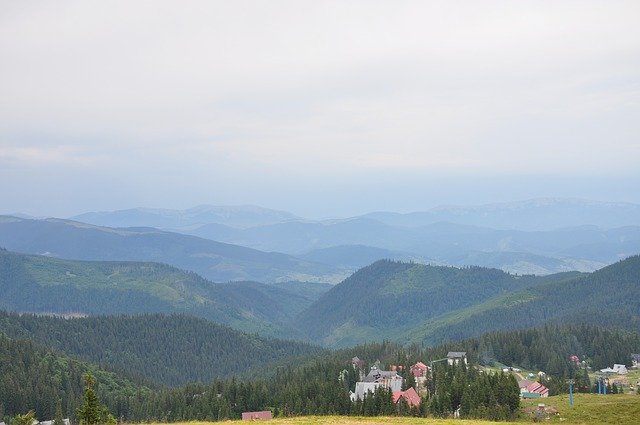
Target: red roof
<point x="250" y="416"/>
<point x="411" y="396"/>
<point x="533" y="387"/>
<point x="420" y="365"/>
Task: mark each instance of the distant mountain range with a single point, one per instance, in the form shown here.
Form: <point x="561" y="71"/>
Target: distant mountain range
<point x="234" y="216"/>
<point x="539" y="236"/>
<point x="530" y="215"/>
<point x="211" y="259"/>
<point x="584" y="248"/>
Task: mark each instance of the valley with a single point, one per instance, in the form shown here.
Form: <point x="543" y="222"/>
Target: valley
<point x="141" y="308"/>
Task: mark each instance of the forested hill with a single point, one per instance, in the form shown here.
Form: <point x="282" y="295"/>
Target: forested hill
<point x="32" y="378"/>
<point x="214" y="260"/>
<point x="381" y="300"/>
<point x="32" y="283"/>
<point x="609" y="296"/>
<point x="35" y="378"/>
<point x="168" y="350"/>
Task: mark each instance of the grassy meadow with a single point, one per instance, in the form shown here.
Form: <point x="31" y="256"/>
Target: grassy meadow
<point x="587" y="409"/>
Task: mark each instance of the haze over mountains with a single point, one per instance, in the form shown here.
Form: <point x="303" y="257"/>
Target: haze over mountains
<point x="539" y="236"/>
<point x="270" y="272"/>
<point x="213" y="260"/>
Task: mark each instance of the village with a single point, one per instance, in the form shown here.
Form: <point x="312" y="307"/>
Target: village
<point x="531" y="386"/>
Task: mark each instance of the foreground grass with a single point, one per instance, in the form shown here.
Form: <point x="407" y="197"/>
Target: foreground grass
<point x="620" y="409"/>
<point x="587" y="409"/>
<point x="351" y="420"/>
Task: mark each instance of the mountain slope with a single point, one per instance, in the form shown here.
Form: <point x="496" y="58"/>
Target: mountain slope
<point x="610" y="296"/>
<point x="168" y="350"/>
<point x="34" y="283"/>
<point x="213" y="260"/>
<point x="385" y="297"/>
<point x="413" y="303"/>
<point x="354" y="256"/>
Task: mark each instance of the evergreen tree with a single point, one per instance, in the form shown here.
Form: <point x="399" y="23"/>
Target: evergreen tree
<point x="26" y="419"/>
<point x="59" y="417"/>
<point x="92" y="412"/>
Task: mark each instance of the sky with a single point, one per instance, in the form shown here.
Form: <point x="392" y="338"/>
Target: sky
<point x="321" y="108"/>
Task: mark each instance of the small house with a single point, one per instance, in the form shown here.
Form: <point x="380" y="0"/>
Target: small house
<point x="252" y="416"/>
<point x="386" y="378"/>
<point x="532" y="389"/>
<point x="357" y="363"/>
<point x="419" y="370"/>
<point x="410" y="396"/>
<point x="377" y="378"/>
<point x="635" y="360"/>
<point x="620" y="369"/>
<point x="455" y="357"/>
<point x="364" y="388"/>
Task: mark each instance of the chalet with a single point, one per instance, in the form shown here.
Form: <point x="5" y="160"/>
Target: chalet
<point x="620" y="369"/>
<point x="532" y="389"/>
<point x="410" y="396"/>
<point x="364" y="388"/>
<point x="252" y="416"/>
<point x="419" y="370"/>
<point x="386" y="378"/>
<point x="65" y="421"/>
<point x="357" y="363"/>
<point x="375" y="379"/>
<point x="455" y="357"/>
<point x="635" y="360"/>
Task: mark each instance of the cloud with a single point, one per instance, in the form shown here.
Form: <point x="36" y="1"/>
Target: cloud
<point x="318" y="88"/>
<point x="56" y="155"/>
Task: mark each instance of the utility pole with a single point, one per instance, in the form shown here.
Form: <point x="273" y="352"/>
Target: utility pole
<point x="571" y="382"/>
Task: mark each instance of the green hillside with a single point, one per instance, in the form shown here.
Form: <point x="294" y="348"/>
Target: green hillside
<point x="385" y="298"/>
<point x="35" y="378"/>
<point x="609" y="296"/>
<point x="168" y="350"/>
<point x="413" y="303"/>
<point x="39" y="284"/>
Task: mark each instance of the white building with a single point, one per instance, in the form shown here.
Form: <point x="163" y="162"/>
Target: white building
<point x="455" y="357"/>
<point x="620" y="369"/>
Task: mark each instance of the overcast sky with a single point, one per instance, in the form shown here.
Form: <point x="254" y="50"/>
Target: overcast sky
<point x="323" y="108"/>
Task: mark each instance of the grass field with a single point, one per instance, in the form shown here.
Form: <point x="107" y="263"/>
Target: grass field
<point x="587" y="409"/>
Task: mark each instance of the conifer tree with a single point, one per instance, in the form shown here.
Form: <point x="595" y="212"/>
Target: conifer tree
<point x="92" y="412"/>
<point x="26" y="419"/>
<point x="59" y="417"/>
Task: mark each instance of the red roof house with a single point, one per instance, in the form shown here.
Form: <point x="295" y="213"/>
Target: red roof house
<point x="410" y="396"/>
<point x="252" y="416"/>
<point x="419" y="370"/>
<point x="531" y="387"/>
